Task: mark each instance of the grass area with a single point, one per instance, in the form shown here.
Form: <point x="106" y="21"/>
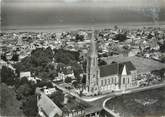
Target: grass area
<point x="128" y="106"/>
<point x="9" y="105"/>
<point x="141" y="64"/>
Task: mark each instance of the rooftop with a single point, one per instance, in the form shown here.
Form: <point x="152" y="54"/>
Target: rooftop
<point x="116" y="68"/>
<point x="72" y="104"/>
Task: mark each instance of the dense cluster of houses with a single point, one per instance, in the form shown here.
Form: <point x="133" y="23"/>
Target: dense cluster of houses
<point x="144" y="42"/>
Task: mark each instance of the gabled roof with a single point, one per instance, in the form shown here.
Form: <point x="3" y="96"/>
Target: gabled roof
<point x="129" y="67"/>
<point x="116" y="69"/>
<point x="48" y="106"/>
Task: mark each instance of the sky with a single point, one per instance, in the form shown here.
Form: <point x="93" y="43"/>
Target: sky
<point x="48" y="12"/>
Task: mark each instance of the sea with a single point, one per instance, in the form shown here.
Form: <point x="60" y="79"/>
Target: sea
<point x="23" y="18"/>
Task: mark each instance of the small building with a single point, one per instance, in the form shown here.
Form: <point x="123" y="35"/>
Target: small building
<point x="29" y="77"/>
<point x="25" y="74"/>
<point x="66" y="72"/>
<point x="71" y="107"/>
<point x="49" y="91"/>
<point x="46" y="107"/>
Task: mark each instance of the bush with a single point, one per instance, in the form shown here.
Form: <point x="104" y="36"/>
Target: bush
<point x="44" y="83"/>
<point x="58" y="98"/>
<point x="24" y="90"/>
<point x="68" y="79"/>
<point x="30" y="108"/>
<point x="7" y="76"/>
<point x="121" y="37"/>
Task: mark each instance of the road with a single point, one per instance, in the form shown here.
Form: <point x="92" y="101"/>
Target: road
<point x="98" y="103"/>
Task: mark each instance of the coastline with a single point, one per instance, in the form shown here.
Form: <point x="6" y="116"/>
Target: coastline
<point x="74" y="27"/>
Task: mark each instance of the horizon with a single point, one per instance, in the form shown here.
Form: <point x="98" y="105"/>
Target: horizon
<point x="40" y="13"/>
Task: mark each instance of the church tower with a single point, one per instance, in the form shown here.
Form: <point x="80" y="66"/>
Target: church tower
<point x="92" y="73"/>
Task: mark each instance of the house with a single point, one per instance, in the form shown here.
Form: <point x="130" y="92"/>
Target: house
<point x="46" y="107"/>
<point x="25" y="74"/>
<point x="133" y="52"/>
<point x="49" y="91"/>
<point x="71" y="107"/>
<point x="64" y="73"/>
<point x="29" y="77"/>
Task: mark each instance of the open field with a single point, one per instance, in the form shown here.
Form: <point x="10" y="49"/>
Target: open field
<point x="9" y="105"/>
<point x="141" y="64"/>
<point x="150" y="103"/>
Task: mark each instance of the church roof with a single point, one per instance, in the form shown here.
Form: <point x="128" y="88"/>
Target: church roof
<point x="129" y="67"/>
<point x="107" y="70"/>
<point x="116" y="68"/>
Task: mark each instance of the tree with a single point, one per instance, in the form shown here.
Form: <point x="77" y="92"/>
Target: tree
<point x="60" y="67"/>
<point x="40" y="58"/>
<point x="79" y="37"/>
<point x="77" y="69"/>
<point x="49" y="53"/>
<point x="162" y="47"/>
<point x="101" y="62"/>
<point x="149" y="36"/>
<point x="68" y="79"/>
<point x="58" y="98"/>
<point x="121" y="37"/>
<point x="7" y="75"/>
<point x="3" y="57"/>
<point x="30" y="108"/>
<point x="24" y="90"/>
<point x="66" y="57"/>
<point x="45" y="83"/>
<point x="15" y="57"/>
<point x="160" y="72"/>
<point x="75" y="84"/>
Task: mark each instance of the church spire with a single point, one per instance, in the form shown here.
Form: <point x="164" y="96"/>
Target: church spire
<point x="92" y="68"/>
<point x="93" y="48"/>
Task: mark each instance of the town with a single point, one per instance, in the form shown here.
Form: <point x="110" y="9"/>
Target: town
<point x="76" y="73"/>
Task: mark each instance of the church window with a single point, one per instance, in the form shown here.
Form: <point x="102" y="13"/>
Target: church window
<point x="123" y="80"/>
<point x="92" y="89"/>
<point x="105" y="81"/>
<point x="113" y="80"/>
<point x="101" y="82"/>
<point x="108" y="81"/>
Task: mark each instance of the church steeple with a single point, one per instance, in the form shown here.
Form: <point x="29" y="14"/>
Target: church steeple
<point x="92" y="49"/>
<point x="92" y="67"/>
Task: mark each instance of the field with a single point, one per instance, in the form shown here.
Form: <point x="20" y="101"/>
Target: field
<point x="141" y="64"/>
<point x="149" y="103"/>
<point x="9" y="105"/>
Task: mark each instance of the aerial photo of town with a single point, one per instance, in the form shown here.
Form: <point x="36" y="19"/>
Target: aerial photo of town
<point x="82" y="63"/>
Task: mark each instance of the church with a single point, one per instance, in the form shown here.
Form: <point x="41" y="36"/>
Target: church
<point x="107" y="78"/>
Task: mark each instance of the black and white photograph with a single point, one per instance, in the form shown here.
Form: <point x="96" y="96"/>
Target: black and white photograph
<point x="82" y="58"/>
